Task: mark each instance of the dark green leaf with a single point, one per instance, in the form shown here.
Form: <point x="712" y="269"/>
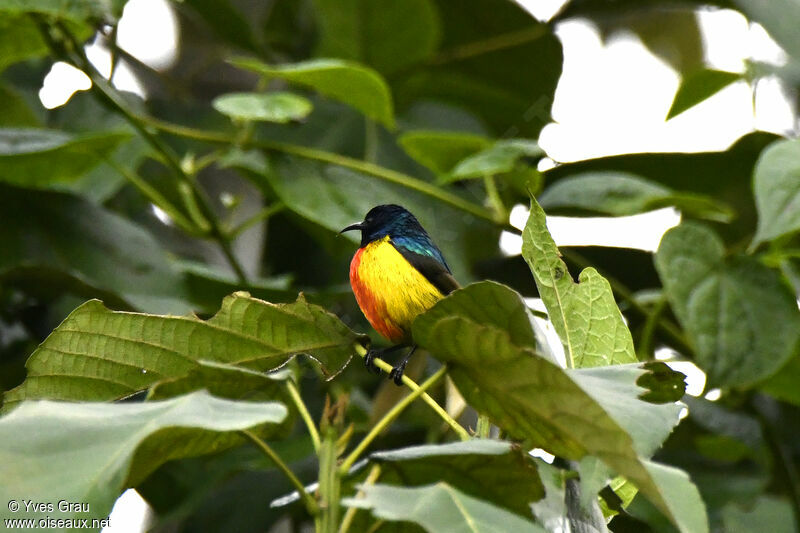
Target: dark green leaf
<point x="497" y="472"/>
<point x="477" y="331"/>
<point x="19" y="40"/>
<point x="776" y="184"/>
<point x="477" y="66"/>
<point x="699" y="86"/>
<point x="388" y="36"/>
<point x="355" y="85"/>
<point x="440" y="151"/>
<point x="39" y="158"/>
<point x="584" y="314"/>
<point x="226" y="21"/>
<point x="97" y="354"/>
<point x="783" y="384"/>
<point x="280" y="107"/>
<point x="742" y="320"/>
<point x="439" y="508"/>
<point x="14" y="110"/>
<point x="622" y="193"/>
<point x="88" y="453"/>
<point x="58" y="242"/>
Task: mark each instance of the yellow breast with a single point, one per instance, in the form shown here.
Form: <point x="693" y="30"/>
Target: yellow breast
<point x="399" y="291"/>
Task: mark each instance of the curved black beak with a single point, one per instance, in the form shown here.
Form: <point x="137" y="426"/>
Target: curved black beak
<point x="351" y="227"/>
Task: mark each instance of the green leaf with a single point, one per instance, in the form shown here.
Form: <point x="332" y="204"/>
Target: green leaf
<point x="14" y="110"/>
<point x="226" y="21"/>
<point x="767" y="513"/>
<point x="438" y="508"/>
<point x="355" y="85"/>
<point x="440" y="151"/>
<point x="700" y="86"/>
<point x="741" y="319"/>
<point x="622" y="193"/>
<point x="389" y="36"/>
<point x="56" y="242"/>
<point x="499" y="158"/>
<point x="73" y="9"/>
<point x="584" y="314"/>
<point x="280" y="107"/>
<point x="40" y="158"/>
<point x="19" y="40"/>
<point x="89" y="452"/>
<point x="776" y="185"/>
<point x="497" y="472"/>
<point x="477" y="66"/>
<point x="480" y="333"/>
<point x="783" y="384"/>
<point x="97" y="354"/>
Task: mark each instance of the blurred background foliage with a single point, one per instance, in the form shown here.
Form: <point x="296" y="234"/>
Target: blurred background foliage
<point x="280" y="122"/>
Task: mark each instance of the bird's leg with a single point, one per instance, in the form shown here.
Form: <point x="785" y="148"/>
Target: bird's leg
<point x="397" y="372"/>
<point x="373" y="353"/>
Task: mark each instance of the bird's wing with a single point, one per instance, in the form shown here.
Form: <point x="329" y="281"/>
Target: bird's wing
<point x="433" y="270"/>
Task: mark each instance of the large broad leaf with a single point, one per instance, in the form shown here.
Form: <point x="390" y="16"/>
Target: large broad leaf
<point x="622" y="193"/>
<point x="89" y="452"/>
<point x="440" y="151"/>
<point x="14" y="109"/>
<point x="698" y="87"/>
<point x="355" y="85"/>
<point x="19" y="39"/>
<point x="741" y="319"/>
<point x="344" y="196"/>
<point x="498" y="472"/>
<point x="569" y="413"/>
<point x="496" y="60"/>
<point x="584" y="314"/>
<point x="97" y="354"/>
<point x="386" y="35"/>
<point x="37" y="158"/>
<point x="280" y="107"/>
<point x="56" y="242"/>
<point x="439" y="508"/>
<point x="776" y="183"/>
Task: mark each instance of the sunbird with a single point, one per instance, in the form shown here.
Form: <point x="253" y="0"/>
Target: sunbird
<point x="396" y="274"/>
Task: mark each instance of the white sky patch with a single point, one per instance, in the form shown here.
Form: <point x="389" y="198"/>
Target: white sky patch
<point x="61" y="83"/>
<point x="713" y="395"/>
<point x="131" y="514"/>
<point x="543" y="455"/>
<point x="643" y="231"/>
<point x="161" y="215"/>
<point x="148" y="30"/>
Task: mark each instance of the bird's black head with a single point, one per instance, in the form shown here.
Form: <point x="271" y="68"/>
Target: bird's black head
<point x="383" y="220"/>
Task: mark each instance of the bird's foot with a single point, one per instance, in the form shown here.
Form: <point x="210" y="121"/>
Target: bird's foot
<point x="369" y="361"/>
<point x="397" y="373"/>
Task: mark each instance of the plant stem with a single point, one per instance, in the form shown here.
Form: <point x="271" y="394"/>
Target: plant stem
<point x="408" y="382"/>
<point x="388" y="418"/>
<point x="495" y="201"/>
<point x="106" y="92"/>
<point x="484" y="427"/>
<point x="304" y="414"/>
<point x="329" y="483"/>
<point x="372" y="477"/>
<point x="323" y="156"/>
<point x="646" y="348"/>
<point x="310" y="503"/>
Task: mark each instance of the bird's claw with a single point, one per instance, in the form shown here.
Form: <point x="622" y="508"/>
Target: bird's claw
<point x="397" y="373"/>
<point x="369" y="361"/>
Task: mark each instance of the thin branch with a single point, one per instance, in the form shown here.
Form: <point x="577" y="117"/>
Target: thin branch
<point x="372" y="477"/>
<point x="388" y="418"/>
<point x="408" y="382"/>
<point x="105" y="91"/>
<point x="304" y="414"/>
<point x="310" y="503"/>
<point x="262" y="215"/>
